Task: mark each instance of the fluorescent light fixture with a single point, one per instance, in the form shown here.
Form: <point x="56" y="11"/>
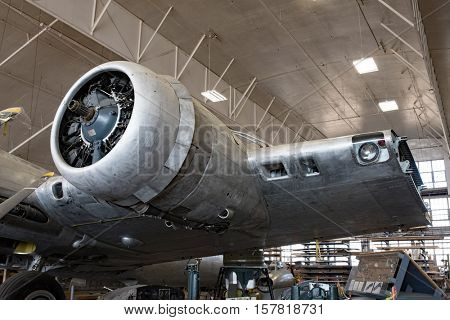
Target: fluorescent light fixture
<point x="388" y="105"/>
<point x="365" y="65"/>
<point x="213" y="96"/>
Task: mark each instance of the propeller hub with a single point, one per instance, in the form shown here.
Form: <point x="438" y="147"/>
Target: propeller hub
<point x="87" y="113"/>
<point x="101" y="124"/>
<point x="96" y="118"/>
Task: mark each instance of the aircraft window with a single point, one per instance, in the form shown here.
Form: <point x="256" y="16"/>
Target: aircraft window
<point x="309" y="167"/>
<point x="275" y="170"/>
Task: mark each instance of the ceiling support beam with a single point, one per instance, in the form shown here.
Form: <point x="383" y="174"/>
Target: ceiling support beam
<point x="281" y="126"/>
<point x="430" y="70"/>
<point x="401" y="39"/>
<point x="140" y="54"/>
<point x="230" y="101"/>
<point x="435" y="131"/>
<point x="205" y="83"/>
<point x="298" y="132"/>
<point x="20" y="145"/>
<point x="28" y="42"/>
<point x="191" y="56"/>
<point x="397" y="13"/>
<point x="116" y="26"/>
<point x="431" y="135"/>
<point x="265" y="113"/>
<point x="243" y="96"/>
<point x="410" y="66"/>
<point x="66" y="41"/>
<point x="175" y="71"/>
<point x="94" y="11"/>
<point x="223" y="73"/>
<point x="433" y="112"/>
<point x="138" y="50"/>
<point x="423" y="117"/>
<point x="95" y="21"/>
<point x="234" y="101"/>
<point x="220" y="78"/>
<point x="245" y="101"/>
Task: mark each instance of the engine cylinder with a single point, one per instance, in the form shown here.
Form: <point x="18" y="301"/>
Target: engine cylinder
<point x="134" y="141"/>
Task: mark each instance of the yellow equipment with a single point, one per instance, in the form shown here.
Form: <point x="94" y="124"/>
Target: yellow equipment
<point x="8" y="115"/>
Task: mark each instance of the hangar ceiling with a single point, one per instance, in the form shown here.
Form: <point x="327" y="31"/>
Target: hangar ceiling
<point x="36" y="78"/>
<point x="328" y="36"/>
<point x="301" y="52"/>
<point x="437" y="28"/>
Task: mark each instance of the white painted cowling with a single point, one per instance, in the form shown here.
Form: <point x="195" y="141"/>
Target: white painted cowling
<point x="152" y="148"/>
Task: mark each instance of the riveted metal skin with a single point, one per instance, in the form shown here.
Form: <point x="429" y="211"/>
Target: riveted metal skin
<point x="200" y="169"/>
<point x="152" y="149"/>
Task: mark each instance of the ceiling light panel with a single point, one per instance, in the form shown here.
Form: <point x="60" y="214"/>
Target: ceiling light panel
<point x="213" y="96"/>
<point x="388" y="105"/>
<point x="365" y="65"/>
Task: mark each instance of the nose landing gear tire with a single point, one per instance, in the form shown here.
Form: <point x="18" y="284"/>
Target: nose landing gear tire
<point x="31" y="285"/>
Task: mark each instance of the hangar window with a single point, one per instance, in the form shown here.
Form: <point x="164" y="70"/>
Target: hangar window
<point x="439" y="207"/>
<point x="433" y="173"/>
<point x="274" y="170"/>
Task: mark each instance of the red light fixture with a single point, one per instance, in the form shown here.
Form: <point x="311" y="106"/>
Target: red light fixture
<point x="382" y="143"/>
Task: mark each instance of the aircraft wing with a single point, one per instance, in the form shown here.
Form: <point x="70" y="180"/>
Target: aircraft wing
<point x="300" y="192"/>
<point x="16" y="173"/>
<point x="325" y="189"/>
<point x="19" y="179"/>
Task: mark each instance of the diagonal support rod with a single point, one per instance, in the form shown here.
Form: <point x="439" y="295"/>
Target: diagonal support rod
<point x="298" y="132"/>
<point x="410" y="66"/>
<point x="139" y="41"/>
<point x="102" y="13"/>
<point x="265" y="113"/>
<point x="230" y="102"/>
<point x="175" y="63"/>
<point x="223" y="73"/>
<point x="191" y="56"/>
<point x="281" y="126"/>
<point x="397" y="13"/>
<point x="28" y="42"/>
<point x="31" y="138"/>
<point x="401" y="39"/>
<point x="141" y="54"/>
<point x="441" y="144"/>
<point x="245" y="101"/>
<point x="243" y="96"/>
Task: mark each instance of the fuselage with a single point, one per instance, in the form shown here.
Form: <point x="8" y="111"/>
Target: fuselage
<point x="167" y="180"/>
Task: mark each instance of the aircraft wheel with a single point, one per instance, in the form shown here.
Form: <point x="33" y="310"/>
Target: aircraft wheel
<point x="31" y="285"/>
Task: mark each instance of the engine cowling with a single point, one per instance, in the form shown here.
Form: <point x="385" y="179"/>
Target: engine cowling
<point x="122" y="132"/>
